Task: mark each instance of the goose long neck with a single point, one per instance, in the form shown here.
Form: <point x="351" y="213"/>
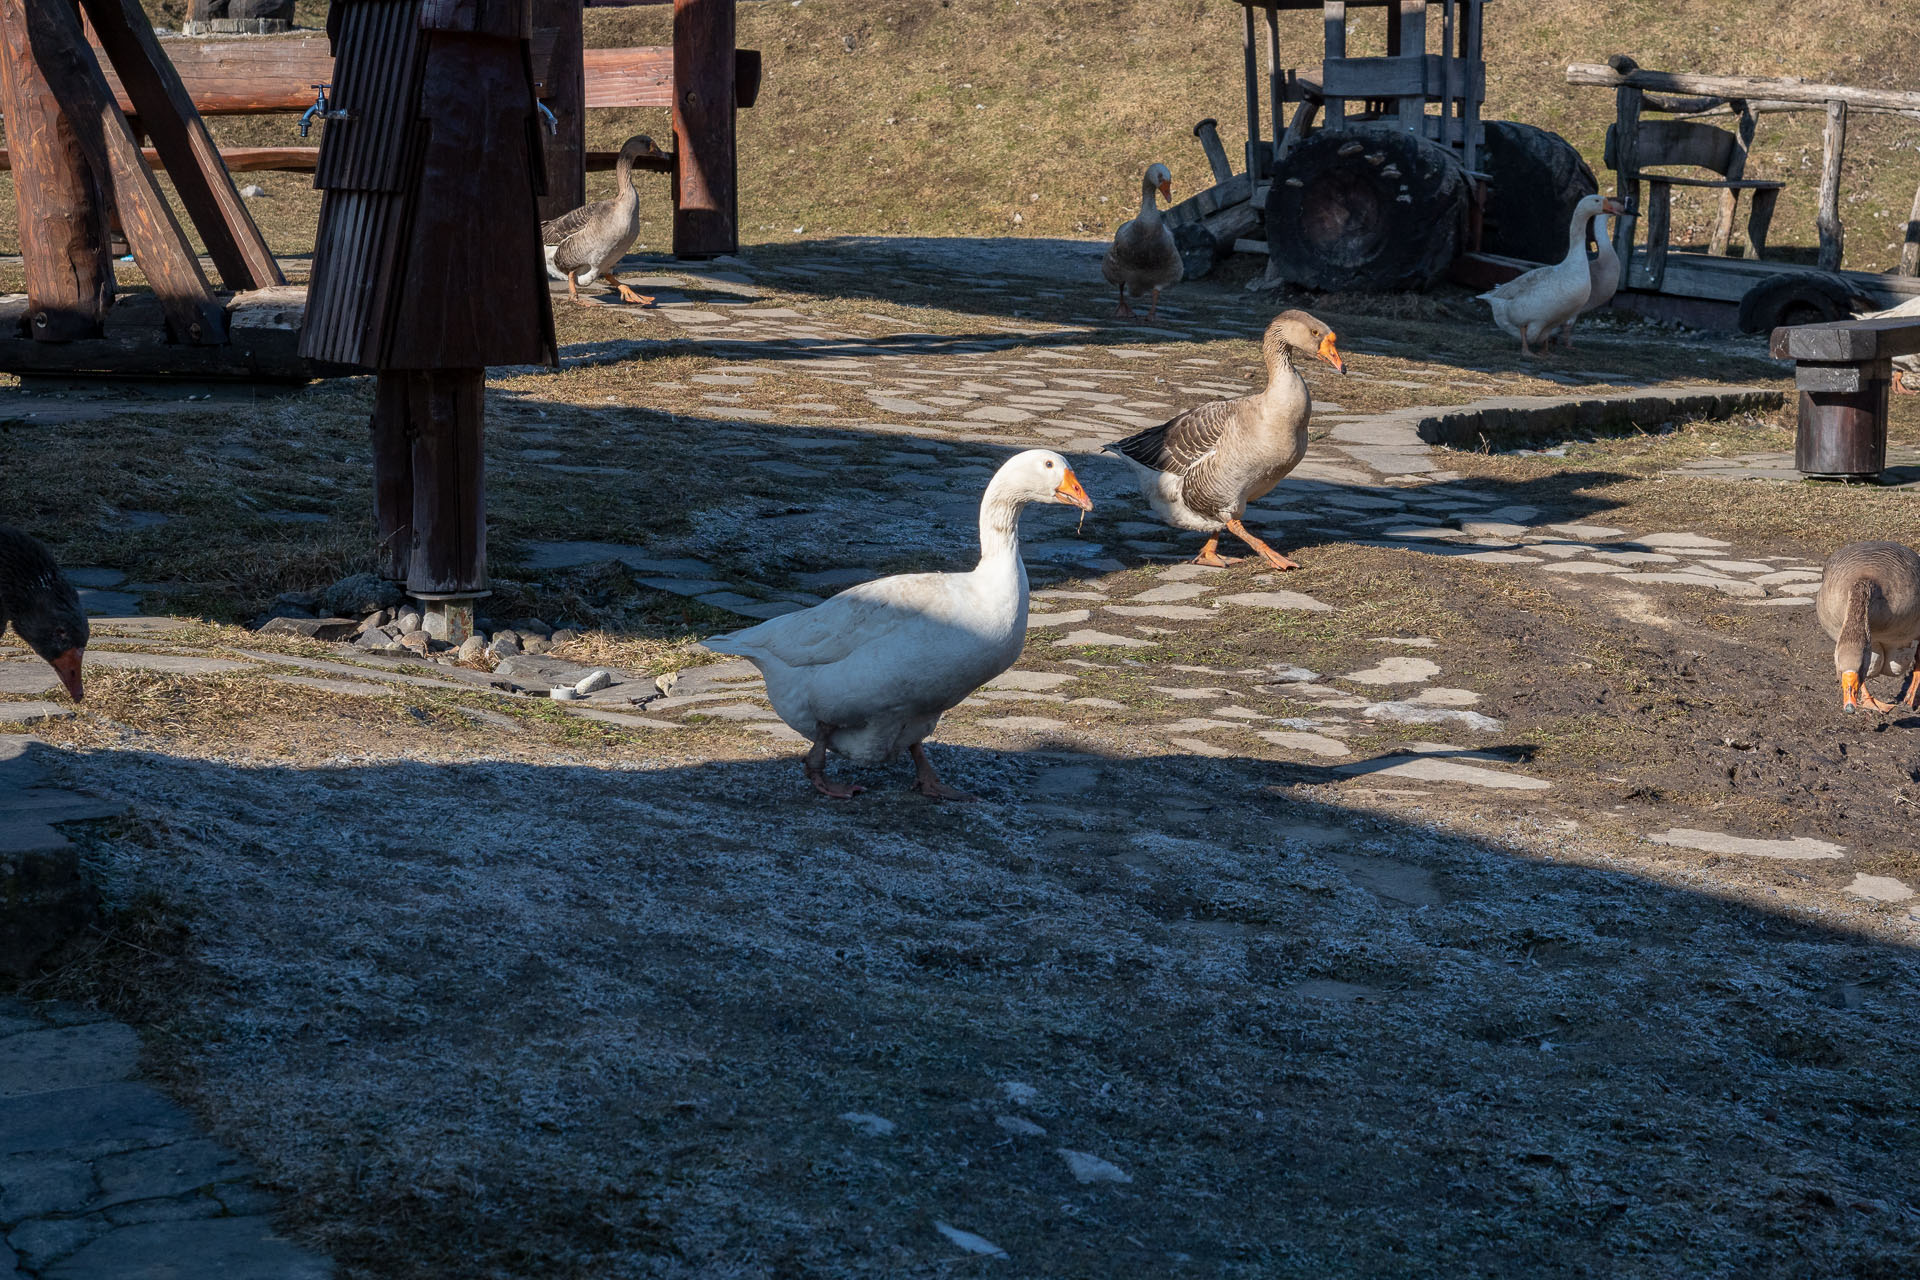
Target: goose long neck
<point x="1603" y="238"/>
<point x="1577" y="237"/>
<point x="999" y="527"/>
<point x="1853" y="648"/>
<point x="1149" y="210"/>
<point x="623" y="180"/>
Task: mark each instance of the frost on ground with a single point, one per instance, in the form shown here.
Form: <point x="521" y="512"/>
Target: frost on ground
<point x="621" y="1017"/>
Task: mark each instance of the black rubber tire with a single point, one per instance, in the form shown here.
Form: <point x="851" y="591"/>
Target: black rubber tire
<point x="1534" y="179"/>
<point x="1368" y="208"/>
<point x="1794" y="297"/>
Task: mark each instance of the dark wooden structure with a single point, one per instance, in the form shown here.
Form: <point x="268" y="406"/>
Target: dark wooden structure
<point x="1844" y="371"/>
<point x="1706" y="288"/>
<point x="76" y="157"/>
<point x="427" y="265"/>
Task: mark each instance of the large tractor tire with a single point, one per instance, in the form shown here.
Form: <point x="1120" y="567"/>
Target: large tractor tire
<point x="1534" y="179"/>
<point x="1370" y="208"/>
<point x="1795" y="297"/>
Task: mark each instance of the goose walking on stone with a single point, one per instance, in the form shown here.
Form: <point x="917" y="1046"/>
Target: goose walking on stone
<point x="1533" y="305"/>
<point x="1603" y="277"/>
<point x="1200" y="470"/>
<point x="584" y="245"/>
<point x="1869" y="602"/>
<point x="869" y="673"/>
<point x="1143" y="256"/>
<point x="1906" y="369"/>
<point x="42" y="606"/>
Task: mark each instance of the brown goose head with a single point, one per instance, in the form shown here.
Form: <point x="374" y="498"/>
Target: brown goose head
<point x="1300" y="331"/>
<point x="43" y="606"/>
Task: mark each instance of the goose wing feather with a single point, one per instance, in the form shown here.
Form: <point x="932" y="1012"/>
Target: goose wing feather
<point x="835" y="630"/>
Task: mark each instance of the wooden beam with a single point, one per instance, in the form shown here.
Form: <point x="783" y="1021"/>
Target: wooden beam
<point x="159" y="246"/>
<point x="704" y="216"/>
<point x="1848" y="341"/>
<point x="62" y="210"/>
<point x="1736" y="169"/>
<point x="1833" y="146"/>
<point x="562" y="85"/>
<point x="1334" y="20"/>
<point x="1413" y="45"/>
<point x="1250" y="68"/>
<point x="1772" y="89"/>
<point x="1274" y="83"/>
<point x="167" y="115"/>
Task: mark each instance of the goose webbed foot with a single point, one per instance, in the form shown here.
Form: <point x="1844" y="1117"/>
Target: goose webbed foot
<point x="629" y="294"/>
<point x="1267" y="553"/>
<point x="1123" y="310"/>
<point x="927" y="783"/>
<point x="1211" y="557"/>
<point x="816" y="767"/>
<point x="1900" y="384"/>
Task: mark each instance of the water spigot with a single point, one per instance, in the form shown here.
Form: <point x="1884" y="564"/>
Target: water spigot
<point x="553" y="121"/>
<point x="319" y="108"/>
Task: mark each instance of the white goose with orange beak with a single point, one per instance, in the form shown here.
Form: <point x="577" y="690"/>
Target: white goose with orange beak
<point x="869" y="673"/>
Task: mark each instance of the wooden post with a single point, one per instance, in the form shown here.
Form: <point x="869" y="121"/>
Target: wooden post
<point x="1627" y="161"/>
<point x="449" y="550"/>
<point x="1251" y="62"/>
<point x="170" y="265"/>
<point x="1334" y="17"/>
<point x="565" y="93"/>
<point x="1413" y="44"/>
<point x="1844" y="433"/>
<point x="1474" y="70"/>
<point x="1910" y="251"/>
<point x="1833" y="144"/>
<point x="1449" y="74"/>
<point x="62" y="210"/>
<point x="393" y="472"/>
<point x="704" y="220"/>
<point x="167" y="114"/>
<point x="1274" y="81"/>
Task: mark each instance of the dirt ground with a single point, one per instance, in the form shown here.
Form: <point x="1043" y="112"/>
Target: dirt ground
<point x="1559" y="924"/>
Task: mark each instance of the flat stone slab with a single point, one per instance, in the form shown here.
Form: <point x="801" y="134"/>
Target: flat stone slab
<point x="229" y="1248"/>
<point x="1031" y="680"/>
<point x="1169" y="612"/>
<point x="1437" y="769"/>
<point x="1062" y="618"/>
<point x="173" y="664"/>
<point x="622" y="719"/>
<point x="1313" y="743"/>
<point x="1798" y="849"/>
<point x="67" y="1058"/>
<point x="1879" y="889"/>
<point x="1424" y="713"/>
<point x="1098" y="638"/>
<point x="1277" y="600"/>
<point x="1396" y="670"/>
<point x="33" y="712"/>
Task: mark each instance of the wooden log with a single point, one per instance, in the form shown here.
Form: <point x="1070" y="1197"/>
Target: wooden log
<point x="1773" y="89"/>
<point x="263" y="342"/>
<point x="449" y="549"/>
<point x="1843" y="433"/>
<point x="62" y="210"/>
<point x="167" y="114"/>
<point x="1736" y="169"/>
<point x="561" y="83"/>
<point x="1204" y="242"/>
<point x="393" y="472"/>
<point x="1627" y="104"/>
<point x="704" y="220"/>
<point x="1833" y="146"/>
<point x="158" y="244"/>
<point x="1208" y="131"/>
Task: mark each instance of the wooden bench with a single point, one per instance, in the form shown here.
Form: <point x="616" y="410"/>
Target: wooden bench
<point x="1635" y="147"/>
<point x="1843" y="371"/>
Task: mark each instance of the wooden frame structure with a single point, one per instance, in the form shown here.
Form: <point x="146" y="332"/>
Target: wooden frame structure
<point x="76" y="156"/>
<point x="1688" y="275"/>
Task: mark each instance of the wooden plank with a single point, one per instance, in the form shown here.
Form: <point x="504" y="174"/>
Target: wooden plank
<point x="167" y="115"/>
<point x="1627" y="104"/>
<point x="1476" y="85"/>
<point x="1377" y="77"/>
<point x="1697" y="275"/>
<point x="1251" y="68"/>
<point x="1848" y="341"/>
<point x="561" y="83"/>
<point x="704" y="214"/>
<point x="62" y="210"/>
<point x="1275" y="81"/>
<point x="159" y="246"/>
<point x="1413" y="47"/>
<point x="1910" y="250"/>
<point x="1773" y="89"/>
<point x="1334" y="20"/>
<point x="1449" y="75"/>
<point x="253" y="159"/>
<point x="1833" y="145"/>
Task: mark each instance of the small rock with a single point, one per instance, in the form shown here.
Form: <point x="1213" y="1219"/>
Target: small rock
<point x="362" y="593"/>
<point x="1020" y="1095"/>
<point x="252" y="192"/>
<point x="535" y="644"/>
<point x="969" y="1241"/>
<point x="1020" y="1125"/>
<point x="407" y="622"/>
<point x="564" y="694"/>
<point x="1090" y="1168"/>
<point x="595" y="681"/>
<point x="871" y="1125"/>
<point x="564" y="635"/>
<point x="532" y="626"/>
<point x="507" y="636"/>
<point x="1287" y="673"/>
<point x="374" y="638"/>
<point x="416" y="640"/>
<point x="378" y="618"/>
<point x="472" y="648"/>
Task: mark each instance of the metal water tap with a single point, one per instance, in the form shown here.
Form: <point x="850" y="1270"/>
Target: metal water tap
<point x="553" y="121"/>
<point x="321" y="109"/>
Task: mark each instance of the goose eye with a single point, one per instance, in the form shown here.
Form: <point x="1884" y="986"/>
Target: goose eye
<point x="1049" y="465"/>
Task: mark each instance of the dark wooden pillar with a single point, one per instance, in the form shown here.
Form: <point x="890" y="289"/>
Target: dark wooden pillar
<point x="705" y="222"/>
<point x="63" y="211"/>
<point x="393" y="472"/>
<point x="563" y="87"/>
<point x="449" y="483"/>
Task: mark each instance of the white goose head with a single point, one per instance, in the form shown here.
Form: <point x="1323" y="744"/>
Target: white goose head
<point x="1037" y="475"/>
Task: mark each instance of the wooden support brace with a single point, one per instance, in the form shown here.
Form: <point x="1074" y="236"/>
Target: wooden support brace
<point x="168" y="116"/>
<point x="1833" y="146"/>
<point x="62" y="210"/>
<point x="705" y="222"/>
<point x="563" y="87"/>
<point x="159" y="246"/>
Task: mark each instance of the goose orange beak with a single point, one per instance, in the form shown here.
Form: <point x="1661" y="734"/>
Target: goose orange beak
<point x="1854" y="694"/>
<point x="1166" y="190"/>
<point x="1610" y="205"/>
<point x="1070" y="492"/>
<point x="1330" y="355"/>
<point x="67" y="667"/>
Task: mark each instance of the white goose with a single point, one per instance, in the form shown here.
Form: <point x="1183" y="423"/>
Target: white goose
<point x="1603" y="276"/>
<point x="870" y="672"/>
<point x="1532" y="306"/>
